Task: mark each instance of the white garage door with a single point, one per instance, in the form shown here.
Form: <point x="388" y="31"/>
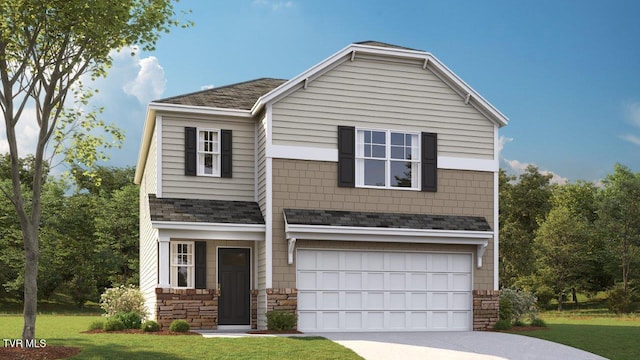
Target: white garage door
<point x="383" y="291"/>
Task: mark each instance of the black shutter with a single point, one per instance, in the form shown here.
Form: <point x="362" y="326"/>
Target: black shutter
<point x="346" y="156"/>
<point x="190" y="150"/>
<point x="226" y="146"/>
<point x="429" y="162"/>
<point x="201" y="264"/>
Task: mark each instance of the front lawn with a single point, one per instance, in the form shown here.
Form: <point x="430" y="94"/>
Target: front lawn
<point x="615" y="338"/>
<point x="66" y="330"/>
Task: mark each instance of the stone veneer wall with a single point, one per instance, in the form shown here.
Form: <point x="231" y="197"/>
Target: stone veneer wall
<point x="283" y="299"/>
<point x="486" y="304"/>
<point x="199" y="307"/>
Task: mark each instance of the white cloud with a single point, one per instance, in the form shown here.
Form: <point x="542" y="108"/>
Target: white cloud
<point x="206" y="87"/>
<point x="274" y="5"/>
<point x="633" y="113"/>
<point x="519" y="167"/>
<point x="502" y="141"/>
<point x="631" y="138"/>
<point x="150" y="81"/>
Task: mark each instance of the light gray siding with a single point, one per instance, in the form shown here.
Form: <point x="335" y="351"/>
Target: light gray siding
<point x="176" y="185"/>
<point x="384" y="95"/>
<point x="148" y="236"/>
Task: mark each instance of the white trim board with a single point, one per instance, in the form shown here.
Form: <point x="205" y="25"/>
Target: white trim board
<point x="331" y="155"/>
<point x="396" y="235"/>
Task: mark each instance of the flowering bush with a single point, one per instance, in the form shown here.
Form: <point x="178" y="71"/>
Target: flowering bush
<point x="516" y="304"/>
<point x="123" y="299"/>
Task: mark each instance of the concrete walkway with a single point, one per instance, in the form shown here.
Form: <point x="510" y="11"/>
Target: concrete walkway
<point x="471" y="345"/>
<point x="455" y="346"/>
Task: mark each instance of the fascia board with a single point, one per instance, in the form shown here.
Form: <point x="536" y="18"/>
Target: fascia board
<point x="179" y="225"/>
<point x="145" y="143"/>
<point x="204" y="110"/>
<point x="347" y="233"/>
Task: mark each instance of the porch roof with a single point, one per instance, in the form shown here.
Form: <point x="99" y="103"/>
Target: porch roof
<point x="385" y="220"/>
<point x="204" y="211"/>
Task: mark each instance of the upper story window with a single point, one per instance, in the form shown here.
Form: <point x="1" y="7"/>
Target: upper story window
<point x="209" y="152"/>
<point x="387" y="159"/>
<point x="182" y="264"/>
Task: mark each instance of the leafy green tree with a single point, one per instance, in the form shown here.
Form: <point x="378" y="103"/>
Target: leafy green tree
<point x="523" y="204"/>
<point x="46" y="46"/>
<point x="558" y="249"/>
<point x="619" y="221"/>
<point x="116" y="230"/>
<point x="105" y="179"/>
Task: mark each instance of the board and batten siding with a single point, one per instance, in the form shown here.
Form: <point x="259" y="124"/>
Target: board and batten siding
<point x="176" y="185"/>
<point x="148" y="235"/>
<point x="382" y="94"/>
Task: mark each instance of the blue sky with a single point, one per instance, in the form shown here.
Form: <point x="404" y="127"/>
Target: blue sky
<point x="566" y="73"/>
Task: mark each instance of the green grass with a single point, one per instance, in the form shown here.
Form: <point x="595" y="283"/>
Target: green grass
<point x="613" y="337"/>
<point x="57" y="304"/>
<point x="66" y="330"/>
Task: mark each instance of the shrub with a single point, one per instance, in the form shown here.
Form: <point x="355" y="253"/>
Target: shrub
<point x="538" y="322"/>
<point x="131" y="320"/>
<point x="281" y="320"/>
<point x="179" y="326"/>
<point x="517" y="304"/>
<point x="113" y="324"/>
<point x="502" y="325"/>
<point x="150" y="326"/>
<point x="519" y="323"/>
<point x="123" y="299"/>
<point x="96" y="325"/>
<point x="621" y="302"/>
<point x="544" y="294"/>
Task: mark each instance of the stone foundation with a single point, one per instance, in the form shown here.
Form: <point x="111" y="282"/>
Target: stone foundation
<point x="199" y="307"/>
<point x="486" y="304"/>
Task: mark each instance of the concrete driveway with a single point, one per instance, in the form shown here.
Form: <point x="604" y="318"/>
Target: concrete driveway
<point x="454" y="346"/>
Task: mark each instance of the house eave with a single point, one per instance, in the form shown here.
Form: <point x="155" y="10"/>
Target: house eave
<point x="296" y="232"/>
<point x="208" y="231"/>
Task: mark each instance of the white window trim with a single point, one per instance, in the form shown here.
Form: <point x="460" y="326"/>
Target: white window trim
<point x="174" y="267"/>
<point x="388" y="160"/>
<point x="199" y="151"/>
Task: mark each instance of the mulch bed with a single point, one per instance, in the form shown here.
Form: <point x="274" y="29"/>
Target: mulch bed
<point x="139" y="331"/>
<point x="43" y="353"/>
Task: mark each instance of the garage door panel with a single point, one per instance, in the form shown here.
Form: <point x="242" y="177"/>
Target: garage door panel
<point x="460" y="282"/>
<point x="368" y="291"/>
<point x="375" y="281"/>
<point x="395" y="281"/>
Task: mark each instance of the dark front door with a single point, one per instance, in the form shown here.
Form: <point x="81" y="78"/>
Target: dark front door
<point x="234" y="275"/>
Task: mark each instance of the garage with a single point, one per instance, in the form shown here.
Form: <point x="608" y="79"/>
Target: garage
<point x="354" y="290"/>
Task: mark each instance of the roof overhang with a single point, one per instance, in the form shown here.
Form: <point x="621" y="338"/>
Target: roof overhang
<point x="429" y="62"/>
<point x="208" y="231"/>
<point x="150" y="123"/>
<point x="398" y="235"/>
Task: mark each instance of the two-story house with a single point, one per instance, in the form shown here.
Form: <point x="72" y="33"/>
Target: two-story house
<point x="361" y="195"/>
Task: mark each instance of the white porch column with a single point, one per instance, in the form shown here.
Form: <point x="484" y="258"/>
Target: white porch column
<point x="163" y="261"/>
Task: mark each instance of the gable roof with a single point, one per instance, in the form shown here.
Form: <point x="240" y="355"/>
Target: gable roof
<point x="241" y="95"/>
<point x="204" y="211"/>
<point x="385" y="220"/>
<point x="430" y="63"/>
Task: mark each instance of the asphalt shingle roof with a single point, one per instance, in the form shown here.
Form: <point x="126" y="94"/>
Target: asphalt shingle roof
<point x="381" y="44"/>
<point x="204" y="211"/>
<point x="235" y="96"/>
<point x="385" y="220"/>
